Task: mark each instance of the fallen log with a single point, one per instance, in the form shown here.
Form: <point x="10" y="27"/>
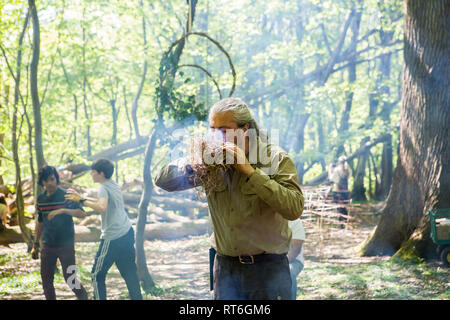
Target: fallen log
<point x="171" y="203"/>
<point x="154" y="231"/>
<point x="176" y="230"/>
<point x="10" y="235"/>
<point x="87" y="233"/>
<point x="114" y="152"/>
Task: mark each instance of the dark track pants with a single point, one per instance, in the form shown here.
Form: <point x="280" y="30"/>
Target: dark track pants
<point x="121" y="252"/>
<point x="66" y="256"/>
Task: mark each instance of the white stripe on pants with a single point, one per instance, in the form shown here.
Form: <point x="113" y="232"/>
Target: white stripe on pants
<point x="99" y="266"/>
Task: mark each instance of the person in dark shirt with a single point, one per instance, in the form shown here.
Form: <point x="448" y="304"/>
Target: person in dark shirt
<point x="55" y="225"/>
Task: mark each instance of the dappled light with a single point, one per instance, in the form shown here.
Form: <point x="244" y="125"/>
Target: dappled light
<point x="163" y="144"/>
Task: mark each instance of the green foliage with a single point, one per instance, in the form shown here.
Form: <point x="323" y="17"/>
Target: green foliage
<point x="93" y="52"/>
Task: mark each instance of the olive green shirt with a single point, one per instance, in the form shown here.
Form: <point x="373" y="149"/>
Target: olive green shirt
<point x="249" y="214"/>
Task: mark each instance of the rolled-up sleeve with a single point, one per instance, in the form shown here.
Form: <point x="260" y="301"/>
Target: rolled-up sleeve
<point x="173" y="177"/>
<point x="280" y="191"/>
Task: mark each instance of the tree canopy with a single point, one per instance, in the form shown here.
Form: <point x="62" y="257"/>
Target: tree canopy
<point x="325" y="73"/>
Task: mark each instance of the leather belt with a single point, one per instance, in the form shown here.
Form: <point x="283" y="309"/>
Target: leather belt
<point x="252" y="259"/>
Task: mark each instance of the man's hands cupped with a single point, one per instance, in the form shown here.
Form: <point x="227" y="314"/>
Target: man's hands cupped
<point x="240" y="161"/>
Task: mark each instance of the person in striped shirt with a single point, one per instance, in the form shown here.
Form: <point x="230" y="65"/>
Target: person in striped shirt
<point x="55" y="224"/>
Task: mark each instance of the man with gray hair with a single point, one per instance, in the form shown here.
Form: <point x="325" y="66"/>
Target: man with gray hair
<point x="250" y="210"/>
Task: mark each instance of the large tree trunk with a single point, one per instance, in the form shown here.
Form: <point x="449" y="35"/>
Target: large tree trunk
<point x="422" y="177"/>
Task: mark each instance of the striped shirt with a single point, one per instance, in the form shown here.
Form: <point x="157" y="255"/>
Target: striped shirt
<point x="59" y="231"/>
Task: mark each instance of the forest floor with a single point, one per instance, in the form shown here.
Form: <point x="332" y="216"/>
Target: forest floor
<point x="180" y="268"/>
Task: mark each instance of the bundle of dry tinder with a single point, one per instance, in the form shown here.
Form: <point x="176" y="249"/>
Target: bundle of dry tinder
<point x="208" y="164"/>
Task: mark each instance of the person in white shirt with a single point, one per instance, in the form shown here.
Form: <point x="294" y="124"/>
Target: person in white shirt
<point x="295" y="254"/>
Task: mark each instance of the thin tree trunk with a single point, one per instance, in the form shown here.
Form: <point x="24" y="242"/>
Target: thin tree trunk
<point x="2" y="136"/>
<point x="166" y="76"/>
<point x="134" y="106"/>
<point x="34" y="86"/>
<point x="141" y="262"/>
<point x="30" y="148"/>
<point x="300" y="143"/>
<point x="86" y="113"/>
<point x="386" y="169"/>
<point x="359" y="191"/>
<point x="386" y="109"/>
<point x="422" y="176"/>
<point x="344" y="124"/>
<point x="125" y="104"/>
<point x="114" y="121"/>
<point x="26" y="233"/>
<point x="75" y="101"/>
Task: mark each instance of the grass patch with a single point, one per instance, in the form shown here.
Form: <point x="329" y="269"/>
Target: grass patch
<point x="4" y="259"/>
<point x="11" y="283"/>
<point x="391" y="279"/>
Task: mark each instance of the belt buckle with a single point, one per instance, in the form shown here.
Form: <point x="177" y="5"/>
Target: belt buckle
<point x="243" y="261"/>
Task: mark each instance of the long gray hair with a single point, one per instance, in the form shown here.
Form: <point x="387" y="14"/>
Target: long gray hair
<point x="240" y="112"/>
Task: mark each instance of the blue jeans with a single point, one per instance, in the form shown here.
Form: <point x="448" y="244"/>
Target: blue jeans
<point x="295" y="268"/>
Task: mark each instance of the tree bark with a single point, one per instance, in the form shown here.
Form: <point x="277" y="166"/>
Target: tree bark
<point x="34" y="86"/>
<point x="167" y="77"/>
<point x="26" y="233"/>
<point x="86" y="113"/>
<point x="2" y="136"/>
<point x="386" y="170"/>
<point x="300" y="143"/>
<point x="422" y="176"/>
<point x="143" y="273"/>
<point x="344" y="124"/>
<point x="359" y="191"/>
<point x="115" y="115"/>
<point x="134" y="106"/>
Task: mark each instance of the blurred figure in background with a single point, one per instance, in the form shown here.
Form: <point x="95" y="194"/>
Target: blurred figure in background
<point x="339" y="175"/>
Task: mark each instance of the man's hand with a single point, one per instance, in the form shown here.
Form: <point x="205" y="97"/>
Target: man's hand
<point x="240" y="160"/>
<point x="52" y="214"/>
<point x="73" y="195"/>
<point x="35" y="252"/>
